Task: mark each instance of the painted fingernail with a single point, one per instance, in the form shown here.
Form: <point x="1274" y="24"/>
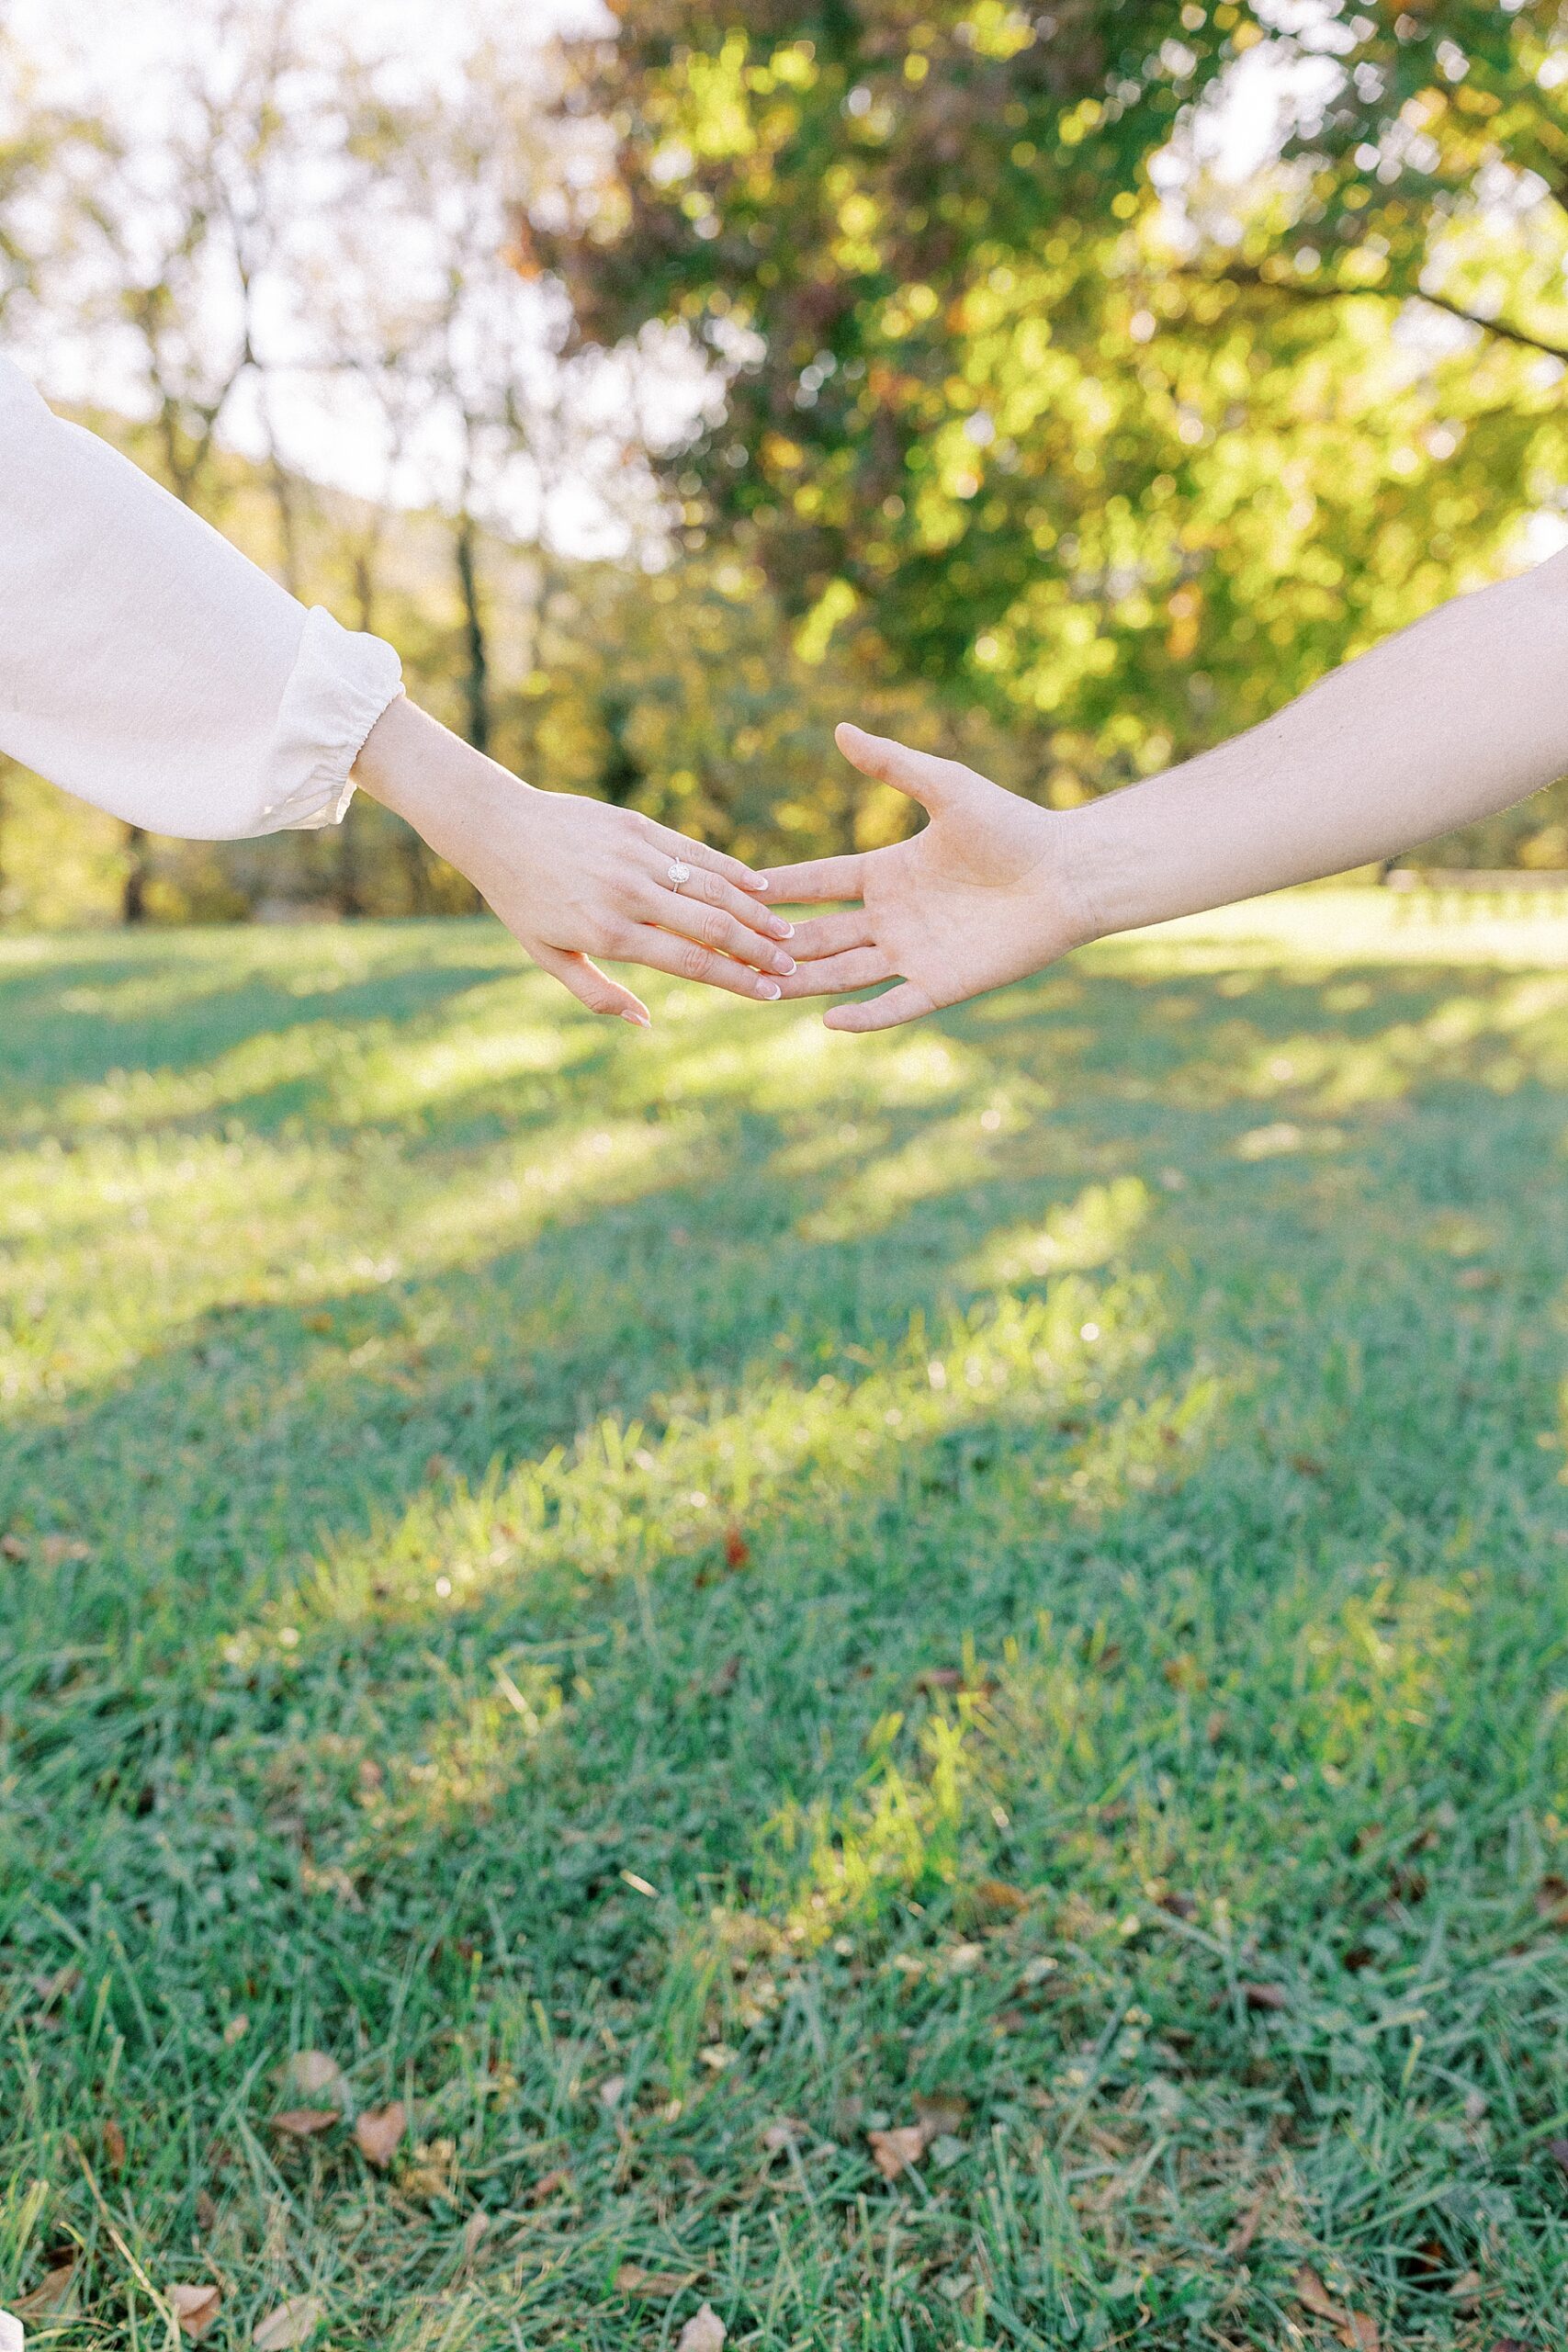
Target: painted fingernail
<point x="757" y="882"/>
<point x="771" y="988"/>
<point x="783" y="930"/>
<point x="784" y="963"/>
<point x="638" y="1020"/>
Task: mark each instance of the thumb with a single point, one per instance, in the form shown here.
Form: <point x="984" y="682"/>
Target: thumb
<point x="934" y="782"/>
<point x="589" y="985"/>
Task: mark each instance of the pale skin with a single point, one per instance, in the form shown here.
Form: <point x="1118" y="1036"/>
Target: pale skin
<point x="1448" y="722"/>
<point x="573" y="878"/>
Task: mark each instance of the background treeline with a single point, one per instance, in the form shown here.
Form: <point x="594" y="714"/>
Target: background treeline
<point x="986" y="372"/>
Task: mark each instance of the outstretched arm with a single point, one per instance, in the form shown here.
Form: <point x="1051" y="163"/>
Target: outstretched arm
<point x="1449" y="721"/>
<point x="147" y="666"/>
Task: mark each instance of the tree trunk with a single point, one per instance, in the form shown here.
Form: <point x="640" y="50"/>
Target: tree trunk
<point x="133" y="899"/>
<point x="476" y="680"/>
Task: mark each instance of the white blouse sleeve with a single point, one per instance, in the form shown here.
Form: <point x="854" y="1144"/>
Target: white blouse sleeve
<point x="147" y="665"/>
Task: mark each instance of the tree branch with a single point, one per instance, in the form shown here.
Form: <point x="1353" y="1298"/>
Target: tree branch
<point x="1243" y="274"/>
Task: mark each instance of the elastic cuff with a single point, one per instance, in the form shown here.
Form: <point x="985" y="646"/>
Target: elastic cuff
<point x="341" y="681"/>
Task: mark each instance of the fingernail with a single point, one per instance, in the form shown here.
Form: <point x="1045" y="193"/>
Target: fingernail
<point x="771" y="988"/>
<point x="756" y="882"/>
<point x="783" y="930"/>
<point x="784" y="963"/>
<point x="638" y="1020"/>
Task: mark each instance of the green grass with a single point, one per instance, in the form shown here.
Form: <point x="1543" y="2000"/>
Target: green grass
<point x="636" y="1590"/>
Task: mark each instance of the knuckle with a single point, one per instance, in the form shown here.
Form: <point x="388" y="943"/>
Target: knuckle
<point x="715" y="928"/>
<point x="695" y="961"/>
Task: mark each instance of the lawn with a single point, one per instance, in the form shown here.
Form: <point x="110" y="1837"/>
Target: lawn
<point x="916" y="1687"/>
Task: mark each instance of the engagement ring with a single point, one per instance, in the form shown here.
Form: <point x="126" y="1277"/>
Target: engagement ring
<point x="678" y="873"/>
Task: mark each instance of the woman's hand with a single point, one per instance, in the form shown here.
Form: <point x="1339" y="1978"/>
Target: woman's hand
<point x="982" y="896"/>
<point x="574" y="878"/>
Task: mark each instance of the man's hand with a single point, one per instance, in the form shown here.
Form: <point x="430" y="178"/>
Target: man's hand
<point x="981" y="896"/>
<point x="574" y="878"/>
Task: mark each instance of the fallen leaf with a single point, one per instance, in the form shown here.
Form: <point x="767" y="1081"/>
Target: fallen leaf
<point x="1265" y="1996"/>
<point x="11" y="2338"/>
<point x="1360" y="2333"/>
<point x="897" y="2150"/>
<point x="559" y="2179"/>
<point x="474" y="2229"/>
<point x="996" y="1894"/>
<point x="1246" y="2229"/>
<point x="49" y="2292"/>
<point x="737" y="1551"/>
<point x="312" y="2073"/>
<point x="292" y="2322"/>
<point x="195" y="2307"/>
<point x="1310" y="2288"/>
<point x="114" y="2145"/>
<point x="704" y="2331"/>
<point x="1466" y="2286"/>
<point x="304" y="2122"/>
<point x="631" y="2279"/>
<point x="943" y="2111"/>
<point x="378" y="2130"/>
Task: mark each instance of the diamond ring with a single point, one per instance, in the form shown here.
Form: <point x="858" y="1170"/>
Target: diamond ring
<point x="678" y="873"/>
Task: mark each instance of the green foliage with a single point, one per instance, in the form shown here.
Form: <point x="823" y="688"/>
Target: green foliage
<point x="641" y="1594"/>
<point x="1126" y="467"/>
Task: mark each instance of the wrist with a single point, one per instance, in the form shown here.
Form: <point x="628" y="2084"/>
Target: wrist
<point x="1085" y="872"/>
<point x="449" y="793"/>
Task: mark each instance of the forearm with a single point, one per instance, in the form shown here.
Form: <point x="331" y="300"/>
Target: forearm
<point x="1456" y="718"/>
<point x="454" y="797"/>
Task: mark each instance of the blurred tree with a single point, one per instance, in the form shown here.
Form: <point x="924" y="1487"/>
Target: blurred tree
<point x="1086" y="431"/>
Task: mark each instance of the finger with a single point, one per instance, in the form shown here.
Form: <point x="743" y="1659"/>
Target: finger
<point x="713" y="861"/>
<point x="589" y="985"/>
<point x="662" y="902"/>
<point x="690" y="961"/>
<point x="905" y="1002"/>
<point x="713" y="927"/>
<point x="831" y="934"/>
<point x="820" y="878"/>
<point x="934" y="782"/>
<point x="858" y="968"/>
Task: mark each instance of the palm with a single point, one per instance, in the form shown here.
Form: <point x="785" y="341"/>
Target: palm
<point x="964" y="905"/>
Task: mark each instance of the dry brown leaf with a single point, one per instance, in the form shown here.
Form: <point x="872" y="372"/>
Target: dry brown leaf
<point x="292" y="2322"/>
<point x="631" y="2279"/>
<point x="1246" y="2230"/>
<point x="48" y="2294"/>
<point x="897" y="2151"/>
<point x="1265" y="1996"/>
<point x="378" y="2130"/>
<point x="1360" y="2333"/>
<point x="559" y="2179"/>
<point x="304" y="2122"/>
<point x="997" y="1894"/>
<point x="114" y="2145"/>
<point x="943" y="2111"/>
<point x="312" y="2074"/>
<point x="1316" y="2297"/>
<point x="195" y="2307"/>
<point x="704" y="2331"/>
